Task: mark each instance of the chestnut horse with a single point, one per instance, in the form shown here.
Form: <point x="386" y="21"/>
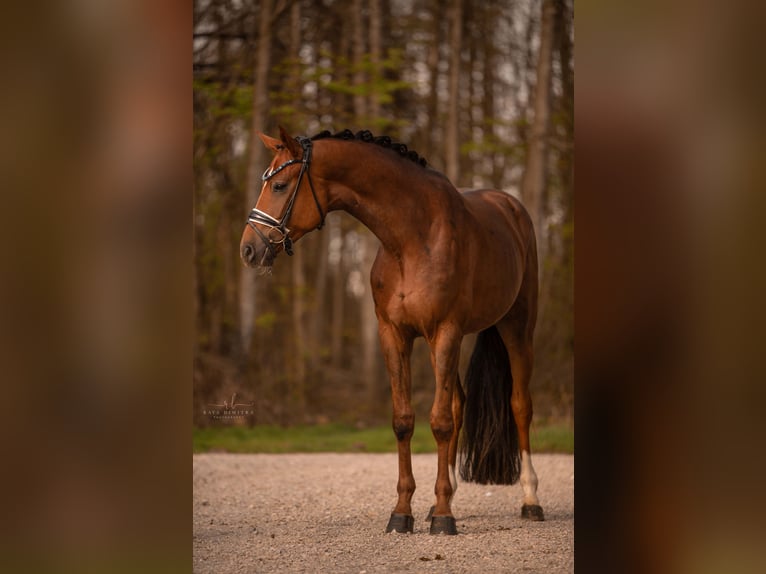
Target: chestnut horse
<point x="449" y="264"/>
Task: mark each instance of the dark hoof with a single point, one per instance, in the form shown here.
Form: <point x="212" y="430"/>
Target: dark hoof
<point x="532" y="512"/>
<point x="430" y="514"/>
<point x="400" y="523"/>
<point x="443" y="525"/>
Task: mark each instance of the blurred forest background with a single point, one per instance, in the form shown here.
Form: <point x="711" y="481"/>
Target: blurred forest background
<point x="483" y="90"/>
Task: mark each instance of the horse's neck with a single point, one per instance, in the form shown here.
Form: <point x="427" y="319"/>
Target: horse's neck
<point x="392" y="199"/>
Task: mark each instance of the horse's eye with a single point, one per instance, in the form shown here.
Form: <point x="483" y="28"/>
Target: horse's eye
<point x="279" y="187"/>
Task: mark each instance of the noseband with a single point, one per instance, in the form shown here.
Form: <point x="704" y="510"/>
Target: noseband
<point x="280" y="225"/>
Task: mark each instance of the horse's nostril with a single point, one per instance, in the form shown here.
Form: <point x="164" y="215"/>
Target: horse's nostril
<point x="248" y="252"/>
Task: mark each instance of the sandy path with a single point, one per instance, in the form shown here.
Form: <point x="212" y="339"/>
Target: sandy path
<point x="328" y="512"/>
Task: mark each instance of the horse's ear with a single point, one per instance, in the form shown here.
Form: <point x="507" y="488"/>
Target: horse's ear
<point x="289" y="142"/>
<point x="272" y="143"/>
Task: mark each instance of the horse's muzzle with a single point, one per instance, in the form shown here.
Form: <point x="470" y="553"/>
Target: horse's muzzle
<point x="256" y="255"/>
<point x="248" y="253"/>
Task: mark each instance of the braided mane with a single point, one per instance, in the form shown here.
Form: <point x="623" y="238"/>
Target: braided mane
<point x="368" y="137"/>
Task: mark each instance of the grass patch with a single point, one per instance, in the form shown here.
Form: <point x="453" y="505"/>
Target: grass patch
<point x="343" y="438"/>
<point x="552" y="438"/>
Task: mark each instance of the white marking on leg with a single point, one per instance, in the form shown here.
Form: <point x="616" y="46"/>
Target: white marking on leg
<point x="453" y="481"/>
<point x="528" y="479"/>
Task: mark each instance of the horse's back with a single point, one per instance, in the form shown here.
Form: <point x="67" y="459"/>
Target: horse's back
<point x="500" y="213"/>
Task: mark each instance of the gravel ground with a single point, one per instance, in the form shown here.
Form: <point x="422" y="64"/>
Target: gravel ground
<point x="328" y="513"/>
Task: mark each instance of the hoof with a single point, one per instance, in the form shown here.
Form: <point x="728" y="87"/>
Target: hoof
<point x="430" y="514"/>
<point x="532" y="512"/>
<point x="400" y="523"/>
<point x="443" y="525"/>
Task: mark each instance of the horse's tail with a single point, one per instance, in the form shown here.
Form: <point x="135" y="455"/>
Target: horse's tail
<point x="489" y="447"/>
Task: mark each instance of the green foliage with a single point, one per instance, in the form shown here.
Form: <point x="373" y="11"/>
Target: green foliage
<point x="340" y="77"/>
<point x="266" y="320"/>
<point x="491" y="145"/>
<point x="344" y="438"/>
<point x="224" y="102"/>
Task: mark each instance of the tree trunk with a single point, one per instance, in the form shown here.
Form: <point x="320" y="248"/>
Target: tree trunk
<point x="566" y="163"/>
<point x="257" y="158"/>
<point x="376" y="50"/>
<point x="360" y="100"/>
<point x="489" y="81"/>
<point x="432" y="120"/>
<point x="368" y="319"/>
<point x="335" y="229"/>
<point x="369" y="328"/>
<point x="320" y="318"/>
<point x="469" y="164"/>
<point x="298" y="393"/>
<point x="452" y="134"/>
<point x="534" y="181"/>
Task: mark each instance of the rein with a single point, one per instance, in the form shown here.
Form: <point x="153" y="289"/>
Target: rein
<point x="280" y="225"/>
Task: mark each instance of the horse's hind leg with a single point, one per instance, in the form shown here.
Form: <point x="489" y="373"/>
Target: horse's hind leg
<point x="458" y="400"/>
<point x="517" y="330"/>
<point x="521" y="403"/>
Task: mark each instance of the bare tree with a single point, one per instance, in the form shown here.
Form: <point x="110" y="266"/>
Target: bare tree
<point x="257" y="156"/>
<point x="534" y="181"/>
<point x="299" y="338"/>
<point x="368" y="320"/>
<point x="358" y="48"/>
<point x="376" y="50"/>
<point x="452" y="133"/>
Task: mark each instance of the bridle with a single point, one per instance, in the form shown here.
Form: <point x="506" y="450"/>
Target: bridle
<point x="280" y="225"/>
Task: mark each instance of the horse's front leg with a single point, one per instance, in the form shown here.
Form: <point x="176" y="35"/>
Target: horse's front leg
<point x="458" y="400"/>
<point x="397" y="349"/>
<point x="445" y="354"/>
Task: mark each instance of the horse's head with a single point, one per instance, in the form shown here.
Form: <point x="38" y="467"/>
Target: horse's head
<point x="288" y="207"/>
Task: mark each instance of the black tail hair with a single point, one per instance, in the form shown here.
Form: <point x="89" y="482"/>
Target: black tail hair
<point x="489" y="447"/>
